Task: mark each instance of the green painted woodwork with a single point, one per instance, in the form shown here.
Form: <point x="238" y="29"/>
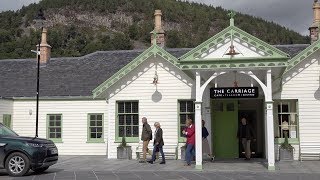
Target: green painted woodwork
<point x="290" y="140"/>
<point x="56" y="140"/>
<point x="303" y="55"/>
<point x="128" y="139"/>
<point x="153" y="51"/>
<point x="95" y="140"/>
<point x="7" y="121"/>
<point x="225" y="127"/>
<point x="182" y="139"/>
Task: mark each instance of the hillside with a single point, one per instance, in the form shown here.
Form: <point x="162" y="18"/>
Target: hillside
<point x="78" y="27"/>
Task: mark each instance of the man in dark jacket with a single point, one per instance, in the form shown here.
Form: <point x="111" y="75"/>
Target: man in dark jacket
<point x="246" y="134"/>
<point x="158" y="144"/>
<point x="146" y="136"/>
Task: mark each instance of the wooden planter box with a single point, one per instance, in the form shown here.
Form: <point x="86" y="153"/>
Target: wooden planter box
<point x="124" y="152"/>
<point x="286" y="154"/>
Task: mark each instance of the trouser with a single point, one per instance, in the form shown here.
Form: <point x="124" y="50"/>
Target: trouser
<point x="145" y="149"/>
<point x="246" y="144"/>
<point x="155" y="152"/>
<point x="190" y="153"/>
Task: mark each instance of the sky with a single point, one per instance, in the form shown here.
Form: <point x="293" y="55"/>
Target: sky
<point x="293" y="14"/>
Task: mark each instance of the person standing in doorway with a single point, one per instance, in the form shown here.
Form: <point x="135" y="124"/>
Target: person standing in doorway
<point x="158" y="144"/>
<point x="189" y="132"/>
<point x="205" y="143"/>
<point x="246" y="134"/>
<point x="146" y="136"/>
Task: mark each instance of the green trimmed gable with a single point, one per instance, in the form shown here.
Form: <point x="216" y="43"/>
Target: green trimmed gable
<point x="154" y="50"/>
<point x="303" y="55"/>
<point x="269" y="55"/>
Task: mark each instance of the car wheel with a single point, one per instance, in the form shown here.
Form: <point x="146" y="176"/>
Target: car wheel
<point x="17" y="164"/>
<point x="40" y="170"/>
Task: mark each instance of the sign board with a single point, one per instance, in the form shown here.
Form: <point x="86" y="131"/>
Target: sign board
<point x="234" y="92"/>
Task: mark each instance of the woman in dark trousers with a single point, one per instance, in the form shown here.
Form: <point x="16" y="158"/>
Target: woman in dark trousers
<point x="158" y="144"/>
<point x="189" y="132"/>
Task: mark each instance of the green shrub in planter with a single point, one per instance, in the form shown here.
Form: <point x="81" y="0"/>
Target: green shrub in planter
<point x="123" y="150"/>
<point x="286" y="150"/>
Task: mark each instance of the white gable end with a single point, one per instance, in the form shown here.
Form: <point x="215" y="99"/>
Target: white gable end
<point x="243" y="48"/>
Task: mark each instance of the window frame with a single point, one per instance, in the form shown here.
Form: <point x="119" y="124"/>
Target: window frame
<point x="180" y="138"/>
<point x="95" y="140"/>
<point x="128" y="139"/>
<point x="56" y="140"/>
<point x="4" y="117"/>
<point x="295" y="112"/>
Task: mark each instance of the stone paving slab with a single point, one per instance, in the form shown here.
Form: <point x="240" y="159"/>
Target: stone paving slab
<point x="101" y="168"/>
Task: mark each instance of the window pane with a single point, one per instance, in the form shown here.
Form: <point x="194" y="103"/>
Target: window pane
<point x="99" y="117"/>
<point x="92" y="123"/>
<point x="52" y="129"/>
<point x="99" y="135"/>
<point x="121" y="107"/>
<point x="135" y="119"/>
<point x="52" y="135"/>
<point x="58" y="123"/>
<point x="285" y="108"/>
<point x="191" y="116"/>
<point x="183" y="118"/>
<point x="121" y="131"/>
<point x="58" y="135"/>
<point x="99" y="123"/>
<point x="128" y="120"/>
<point x="218" y="106"/>
<point x="135" y="107"/>
<point x="190" y="106"/>
<point x="93" y="135"/>
<point x="51" y="123"/>
<point x="230" y="107"/>
<point x="93" y="130"/>
<point x="92" y="117"/>
<point x="128" y="131"/>
<point x="99" y="129"/>
<point x="183" y="106"/>
<point x="127" y="107"/>
<point x="58" y="117"/>
<point x="121" y="119"/>
<point x="135" y="131"/>
<point x="58" y="130"/>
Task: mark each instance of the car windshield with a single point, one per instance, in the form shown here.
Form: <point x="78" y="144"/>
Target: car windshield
<point x="4" y="131"/>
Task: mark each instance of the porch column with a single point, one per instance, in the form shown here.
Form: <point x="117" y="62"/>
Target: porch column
<point x="270" y="123"/>
<point x="198" y="123"/>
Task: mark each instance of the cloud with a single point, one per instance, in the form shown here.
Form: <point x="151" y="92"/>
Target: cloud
<point x="294" y="14"/>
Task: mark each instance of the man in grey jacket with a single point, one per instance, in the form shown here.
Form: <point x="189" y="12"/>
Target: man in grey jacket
<point x="146" y="136"/>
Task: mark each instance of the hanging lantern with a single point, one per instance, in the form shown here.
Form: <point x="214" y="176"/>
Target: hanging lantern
<point x="155" y="78"/>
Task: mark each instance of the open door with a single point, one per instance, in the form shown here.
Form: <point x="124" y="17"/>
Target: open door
<point x="225" y="127"/>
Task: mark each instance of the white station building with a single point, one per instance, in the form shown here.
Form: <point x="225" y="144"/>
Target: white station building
<point x="87" y="104"/>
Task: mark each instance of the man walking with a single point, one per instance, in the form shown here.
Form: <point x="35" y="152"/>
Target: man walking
<point x="246" y="134"/>
<point x="146" y="136"/>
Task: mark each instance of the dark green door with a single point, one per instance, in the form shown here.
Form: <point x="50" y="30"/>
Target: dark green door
<point x="225" y="127"/>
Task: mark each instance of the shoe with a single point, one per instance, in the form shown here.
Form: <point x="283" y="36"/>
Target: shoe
<point x="212" y="159"/>
<point x="247" y="159"/>
<point x="163" y="162"/>
<point x="142" y="161"/>
<point x="151" y="162"/>
<point x="187" y="165"/>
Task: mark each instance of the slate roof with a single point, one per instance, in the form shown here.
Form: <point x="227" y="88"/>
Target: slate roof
<point x="75" y="76"/>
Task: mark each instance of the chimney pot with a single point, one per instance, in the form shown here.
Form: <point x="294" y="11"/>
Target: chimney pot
<point x="45" y="48"/>
<point x="160" y="34"/>
<point x="314" y="28"/>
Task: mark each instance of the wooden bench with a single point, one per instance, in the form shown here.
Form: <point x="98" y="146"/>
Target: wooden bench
<point x="310" y="151"/>
<point x="170" y="151"/>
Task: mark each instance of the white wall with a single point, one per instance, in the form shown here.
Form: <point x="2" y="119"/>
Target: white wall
<point x="302" y="83"/>
<point x="74" y="123"/>
<point x="173" y="85"/>
<point x="6" y="107"/>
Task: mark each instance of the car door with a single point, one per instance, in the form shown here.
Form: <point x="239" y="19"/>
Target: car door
<point x="3" y="143"/>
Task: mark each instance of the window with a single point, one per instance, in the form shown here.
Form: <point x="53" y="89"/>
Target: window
<point x="54" y="128"/>
<point x="95" y="128"/>
<point x="128" y="120"/>
<point x="286" y="119"/>
<point x="186" y="111"/>
<point x="7" y="120"/>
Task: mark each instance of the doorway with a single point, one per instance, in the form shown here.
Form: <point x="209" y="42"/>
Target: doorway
<point x="225" y="127"/>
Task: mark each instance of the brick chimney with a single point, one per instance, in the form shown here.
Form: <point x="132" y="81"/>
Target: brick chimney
<point x="158" y="31"/>
<point x="314" y="28"/>
<point x="45" y="48"/>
